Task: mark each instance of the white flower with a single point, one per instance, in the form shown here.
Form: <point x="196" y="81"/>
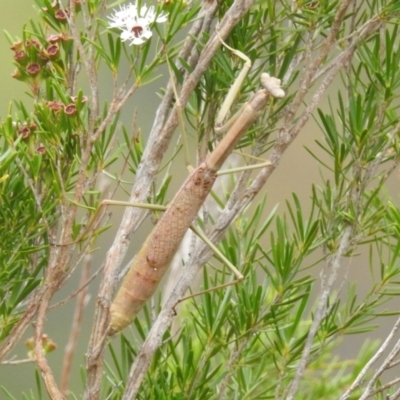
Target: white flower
<point x="134" y="23"/>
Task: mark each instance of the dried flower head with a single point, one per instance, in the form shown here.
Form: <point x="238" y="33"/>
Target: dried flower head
<point x="83" y="100"/>
<point x="53" y="51"/>
<point x="61" y="15"/>
<point x="32" y="43"/>
<point x="24" y="131"/>
<point x="33" y="69"/>
<point x="20" y="56"/>
<point x="135" y="23"/>
<point x="17" y="45"/>
<point x="70" y="109"/>
<point x="58" y="37"/>
<point x="40" y="149"/>
<point x="54" y="105"/>
<point x="18" y="75"/>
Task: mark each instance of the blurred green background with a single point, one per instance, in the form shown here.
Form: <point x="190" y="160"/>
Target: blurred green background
<point x="14" y="14"/>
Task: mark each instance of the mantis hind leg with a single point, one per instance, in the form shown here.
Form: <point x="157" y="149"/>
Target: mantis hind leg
<point x="239" y="277"/>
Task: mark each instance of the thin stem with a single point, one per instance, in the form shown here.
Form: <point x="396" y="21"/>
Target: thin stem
<point x="380" y="370"/>
<point x="70" y="348"/>
<point x="328" y="278"/>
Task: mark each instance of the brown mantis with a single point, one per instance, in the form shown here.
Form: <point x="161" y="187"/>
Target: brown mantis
<point x="152" y="261"/>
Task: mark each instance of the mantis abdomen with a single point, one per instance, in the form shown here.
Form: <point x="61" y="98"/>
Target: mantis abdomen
<point x="152" y="261"/>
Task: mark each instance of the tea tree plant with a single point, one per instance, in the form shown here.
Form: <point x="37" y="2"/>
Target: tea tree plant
<point x="276" y="334"/>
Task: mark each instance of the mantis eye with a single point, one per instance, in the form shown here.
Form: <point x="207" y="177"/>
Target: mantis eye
<point x="272" y="85"/>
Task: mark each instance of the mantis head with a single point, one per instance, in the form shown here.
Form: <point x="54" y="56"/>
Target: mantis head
<point x="272" y="85"/>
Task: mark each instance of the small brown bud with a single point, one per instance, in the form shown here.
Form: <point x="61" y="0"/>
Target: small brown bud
<point x="48" y="345"/>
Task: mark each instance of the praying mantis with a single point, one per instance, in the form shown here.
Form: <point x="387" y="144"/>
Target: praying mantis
<point x="152" y="261"/>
